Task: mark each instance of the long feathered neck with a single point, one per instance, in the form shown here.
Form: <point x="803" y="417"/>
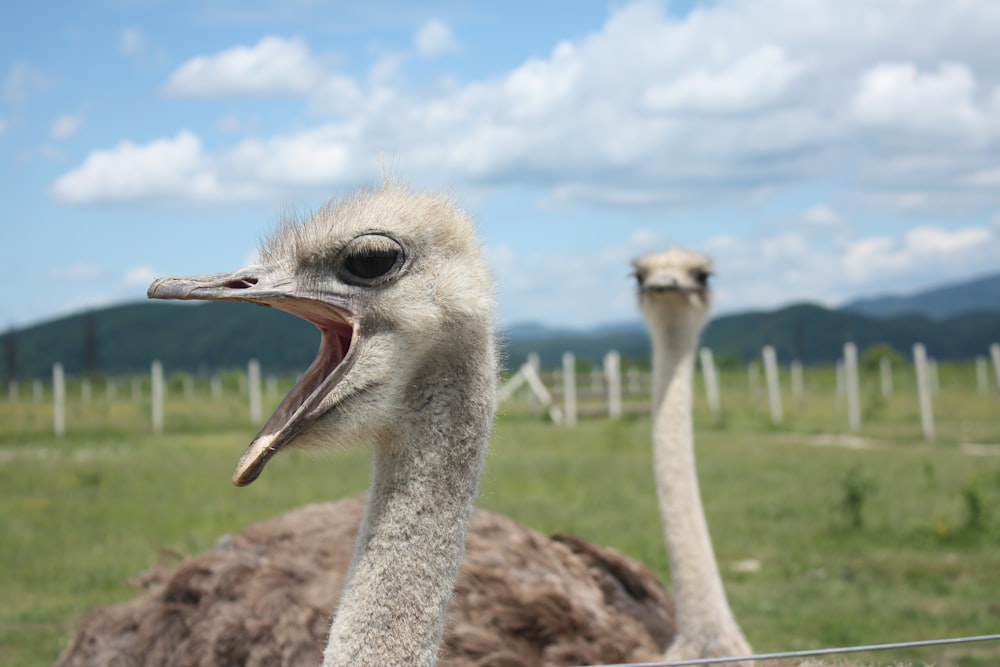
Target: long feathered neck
<point x="412" y="540"/>
<point x="702" y="608"/>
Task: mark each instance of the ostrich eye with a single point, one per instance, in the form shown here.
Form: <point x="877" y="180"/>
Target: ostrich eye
<point x="369" y="258"/>
<point x="371" y="263"/>
<point x="701" y="277"/>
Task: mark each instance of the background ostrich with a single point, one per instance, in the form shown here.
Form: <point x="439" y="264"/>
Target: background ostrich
<point x="395" y="282"/>
<point x="675" y="299"/>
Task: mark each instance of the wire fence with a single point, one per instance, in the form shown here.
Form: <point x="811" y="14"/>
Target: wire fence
<point x="923" y="400"/>
<point x="813" y="653"/>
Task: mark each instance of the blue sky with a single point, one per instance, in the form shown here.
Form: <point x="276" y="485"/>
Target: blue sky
<point x="817" y="150"/>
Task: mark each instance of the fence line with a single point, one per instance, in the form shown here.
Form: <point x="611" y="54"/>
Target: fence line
<point x="613" y="390"/>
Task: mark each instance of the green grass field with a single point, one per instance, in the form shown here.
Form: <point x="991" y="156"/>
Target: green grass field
<point x="820" y="545"/>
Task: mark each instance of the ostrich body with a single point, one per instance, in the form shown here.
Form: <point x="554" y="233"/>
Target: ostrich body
<point x="396" y="284"/>
<point x="675" y="299"/>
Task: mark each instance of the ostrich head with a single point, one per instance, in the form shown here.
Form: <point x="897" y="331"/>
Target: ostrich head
<point x="673" y="286"/>
<point x="395" y="283"/>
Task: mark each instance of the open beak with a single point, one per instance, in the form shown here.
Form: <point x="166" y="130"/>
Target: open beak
<point x="330" y="313"/>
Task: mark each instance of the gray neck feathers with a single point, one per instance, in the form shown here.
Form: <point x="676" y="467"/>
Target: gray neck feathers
<point x="698" y="591"/>
<point x="412" y="540"/>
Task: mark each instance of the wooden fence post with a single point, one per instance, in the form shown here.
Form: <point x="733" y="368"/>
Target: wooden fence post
<point x="58" y="400"/>
<point x="569" y="387"/>
<point x="995" y="354"/>
<point x="708" y="372"/>
<point x="924" y="390"/>
<point x="158" y="395"/>
<point x="613" y="372"/>
<point x="773" y="384"/>
<point x="852" y="387"/>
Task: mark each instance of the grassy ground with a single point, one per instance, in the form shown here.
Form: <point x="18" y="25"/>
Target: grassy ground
<point x="820" y="545"/>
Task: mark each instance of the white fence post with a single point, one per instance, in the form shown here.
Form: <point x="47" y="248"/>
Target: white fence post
<point x="773" y="384"/>
<point x="851" y="385"/>
<point x="924" y="390"/>
<point x="995" y="354"/>
<point x="58" y="400"/>
<point x="612" y="370"/>
<point x="158" y="395"/>
<point x="569" y="387"/>
<point x="885" y="376"/>
<point x="253" y="382"/>
<point x="216" y="387"/>
<point x="711" y="377"/>
<point x="536" y="364"/>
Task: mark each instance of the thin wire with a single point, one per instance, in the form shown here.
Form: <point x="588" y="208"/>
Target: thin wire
<point x="812" y="652"/>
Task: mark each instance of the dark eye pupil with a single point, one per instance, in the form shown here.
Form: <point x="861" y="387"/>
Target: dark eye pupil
<point x="701" y="277"/>
<point x="371" y="263"/>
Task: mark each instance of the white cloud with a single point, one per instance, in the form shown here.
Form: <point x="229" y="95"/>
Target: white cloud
<point x="131" y="42"/>
<point x="23" y="81"/>
<point x="316" y="157"/>
<point x="139" y="276"/>
<point x="821" y="216"/>
<point x="897" y="95"/>
<point x="925" y="249"/>
<point x="749" y="83"/>
<point x="178" y="170"/>
<point x="273" y="66"/>
<point x="161" y="170"/>
<point x="434" y="38"/>
<point x="737" y="100"/>
<point x="65" y="126"/>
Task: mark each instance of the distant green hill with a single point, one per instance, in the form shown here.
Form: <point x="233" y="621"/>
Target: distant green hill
<point x="971" y="296"/>
<point x="807" y="332"/>
<point x="206" y="336"/>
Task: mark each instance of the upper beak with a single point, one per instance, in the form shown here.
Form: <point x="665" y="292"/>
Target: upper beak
<point x="255" y="284"/>
<point x="331" y="313"/>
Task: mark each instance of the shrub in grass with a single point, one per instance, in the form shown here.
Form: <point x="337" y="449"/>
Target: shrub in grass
<point x="857" y="488"/>
<point x="975" y="506"/>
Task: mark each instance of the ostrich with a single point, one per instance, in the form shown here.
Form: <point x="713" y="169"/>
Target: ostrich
<point x="675" y="298"/>
<point x="396" y="284"/>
